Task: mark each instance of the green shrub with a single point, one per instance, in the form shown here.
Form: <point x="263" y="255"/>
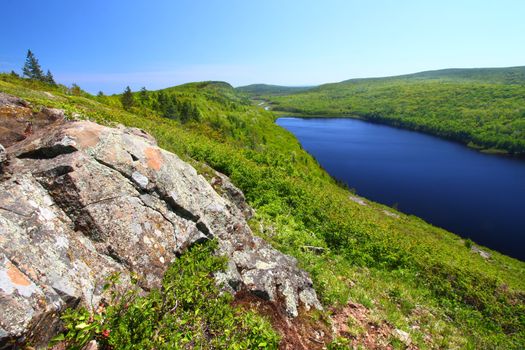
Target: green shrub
<point x="187" y="312"/>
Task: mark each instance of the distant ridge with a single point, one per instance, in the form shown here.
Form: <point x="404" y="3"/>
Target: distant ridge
<point x="266" y="89"/>
<point x="203" y="85"/>
<point x="483" y="108"/>
<point x="507" y="75"/>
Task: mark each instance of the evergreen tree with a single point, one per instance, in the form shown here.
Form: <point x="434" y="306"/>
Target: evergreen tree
<point x="32" y="68"/>
<point x="195" y="113"/>
<point x="171" y="110"/>
<point x="127" y="99"/>
<point x="143" y="96"/>
<point x="26" y="70"/>
<point x="185" y="111"/>
<point x="162" y="101"/>
<point x="14" y="74"/>
<point x="100" y="94"/>
<point x="49" y="78"/>
<point x="75" y="90"/>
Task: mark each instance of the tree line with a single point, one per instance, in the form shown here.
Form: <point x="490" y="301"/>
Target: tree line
<point x="489" y="116"/>
<point x="168" y="105"/>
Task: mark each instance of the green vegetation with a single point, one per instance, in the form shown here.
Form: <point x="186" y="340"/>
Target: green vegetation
<point x="482" y="108"/>
<point x="418" y="278"/>
<point x="127" y="99"/>
<point x="264" y="89"/>
<point x="187" y="312"/>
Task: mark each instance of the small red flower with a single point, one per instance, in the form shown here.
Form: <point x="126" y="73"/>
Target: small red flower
<point x="105" y="333"/>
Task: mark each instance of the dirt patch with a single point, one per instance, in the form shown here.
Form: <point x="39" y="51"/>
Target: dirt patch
<point x="355" y="323"/>
<point x="301" y="333"/>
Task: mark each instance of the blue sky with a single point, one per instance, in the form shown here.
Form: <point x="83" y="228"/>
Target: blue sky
<point x="107" y="45"/>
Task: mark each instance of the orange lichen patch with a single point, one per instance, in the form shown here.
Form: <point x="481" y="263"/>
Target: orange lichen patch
<point x="153" y="158"/>
<point x="87" y="136"/>
<point x="16" y="276"/>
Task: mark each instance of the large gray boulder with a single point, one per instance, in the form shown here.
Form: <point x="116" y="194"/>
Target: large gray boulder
<point x="80" y="201"/>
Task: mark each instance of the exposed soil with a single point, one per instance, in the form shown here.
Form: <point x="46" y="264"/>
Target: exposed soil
<point x="354" y="323"/>
<point x="300" y="333"/>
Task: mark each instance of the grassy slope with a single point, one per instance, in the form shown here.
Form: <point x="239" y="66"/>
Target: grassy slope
<point x="484" y="108"/>
<point x="417" y="277"/>
<point x="265" y="89"/>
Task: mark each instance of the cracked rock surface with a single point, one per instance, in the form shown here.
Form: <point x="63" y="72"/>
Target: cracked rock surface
<point x="79" y="201"/>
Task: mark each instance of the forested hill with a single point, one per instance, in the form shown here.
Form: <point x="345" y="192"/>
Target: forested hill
<point x="511" y="75"/>
<point x="483" y="108"/>
<point x="265" y="89"/>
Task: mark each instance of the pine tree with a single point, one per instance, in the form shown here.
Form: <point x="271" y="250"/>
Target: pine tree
<point x="49" y="78"/>
<point x="26" y="70"/>
<point x="127" y="99"/>
<point x="171" y="110"/>
<point x="195" y="113"/>
<point x="32" y="68"/>
<point x="143" y="96"/>
<point x="75" y="90"/>
<point x="100" y="94"/>
<point x="185" y="111"/>
<point x="162" y="101"/>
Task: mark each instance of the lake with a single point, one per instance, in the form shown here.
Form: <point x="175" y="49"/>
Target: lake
<point x="475" y="195"/>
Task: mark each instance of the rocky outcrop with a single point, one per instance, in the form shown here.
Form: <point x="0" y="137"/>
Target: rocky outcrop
<point x="18" y="120"/>
<point x="79" y="201"/>
<point x="481" y="252"/>
<point x="222" y="184"/>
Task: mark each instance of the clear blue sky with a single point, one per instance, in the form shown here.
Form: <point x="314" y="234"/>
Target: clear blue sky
<point x="106" y="45"/>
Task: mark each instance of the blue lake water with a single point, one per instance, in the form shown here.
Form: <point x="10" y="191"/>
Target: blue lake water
<point x="475" y="195"/>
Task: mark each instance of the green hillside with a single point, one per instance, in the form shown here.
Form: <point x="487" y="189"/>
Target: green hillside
<point x="265" y="89"/>
<point x="406" y="273"/>
<point x="511" y="75"/>
<point x="483" y="108"/>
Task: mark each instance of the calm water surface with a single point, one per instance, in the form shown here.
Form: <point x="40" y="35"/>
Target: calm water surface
<point x="475" y="195"/>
